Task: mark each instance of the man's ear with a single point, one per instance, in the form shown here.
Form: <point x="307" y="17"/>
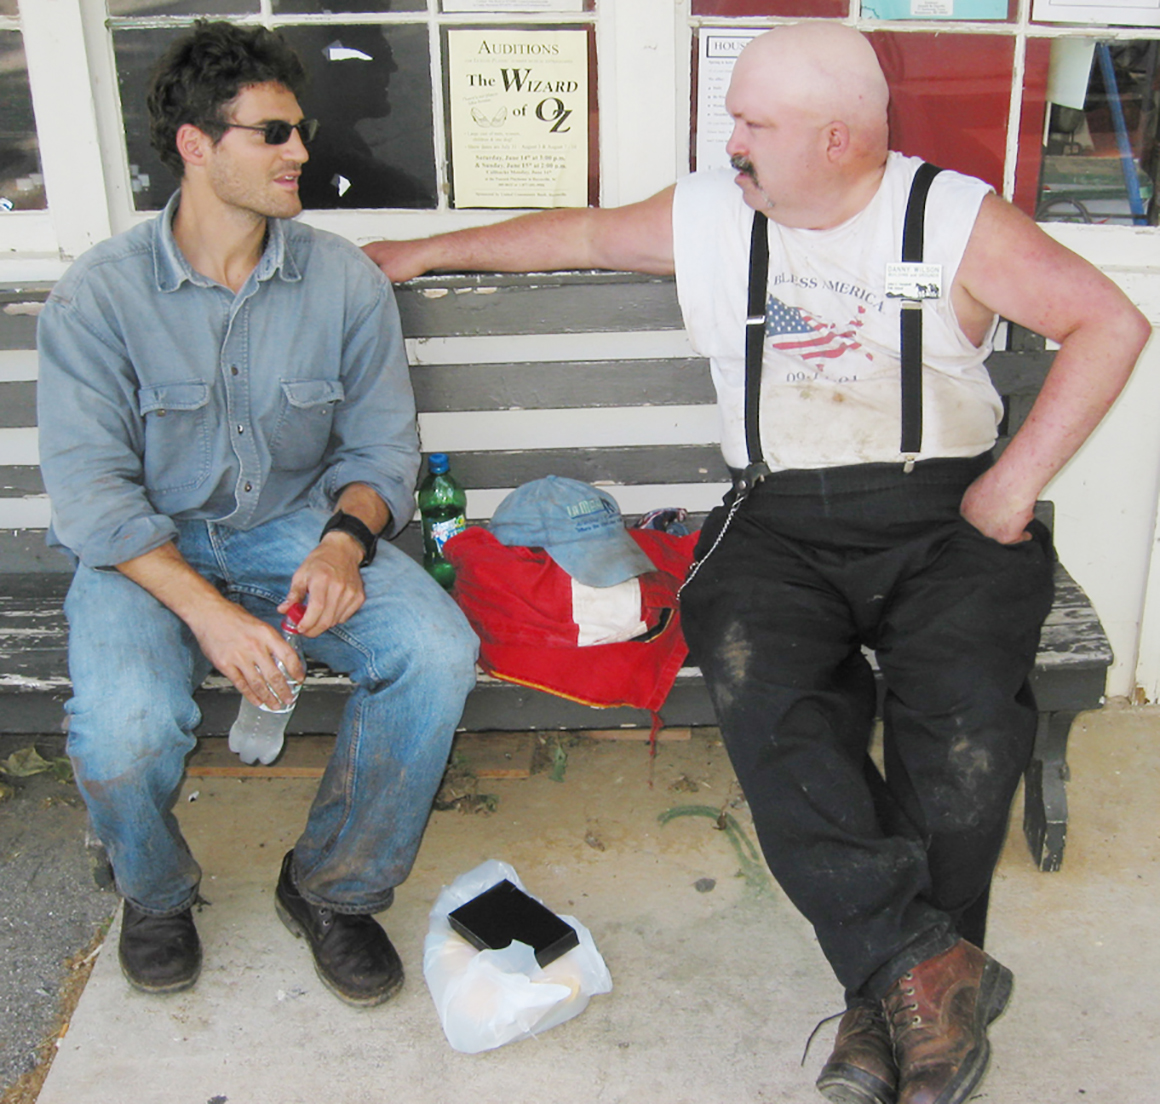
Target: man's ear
<point x="837" y="139"/>
<point x="193" y="144"/>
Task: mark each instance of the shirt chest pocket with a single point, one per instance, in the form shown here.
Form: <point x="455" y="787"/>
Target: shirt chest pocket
<point x="177" y="434"/>
<point x="303" y="429"/>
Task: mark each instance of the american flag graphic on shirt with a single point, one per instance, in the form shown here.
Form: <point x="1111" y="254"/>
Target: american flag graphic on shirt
<point x="798" y="333"/>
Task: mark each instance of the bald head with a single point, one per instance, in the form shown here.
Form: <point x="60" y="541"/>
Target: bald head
<point x="826" y="70"/>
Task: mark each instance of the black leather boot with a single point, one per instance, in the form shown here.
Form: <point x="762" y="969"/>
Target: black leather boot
<point x="352" y="954"/>
<point x="159" y="954"/>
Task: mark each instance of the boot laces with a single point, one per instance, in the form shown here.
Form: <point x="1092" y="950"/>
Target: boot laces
<point x="818" y="1027"/>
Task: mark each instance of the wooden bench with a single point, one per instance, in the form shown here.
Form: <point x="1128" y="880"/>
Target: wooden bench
<point x="587" y="375"/>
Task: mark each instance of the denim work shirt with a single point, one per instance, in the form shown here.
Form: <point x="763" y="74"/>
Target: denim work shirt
<point x="163" y="395"/>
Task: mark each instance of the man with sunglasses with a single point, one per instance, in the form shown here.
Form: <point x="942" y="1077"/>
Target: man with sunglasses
<point x="226" y="429"/>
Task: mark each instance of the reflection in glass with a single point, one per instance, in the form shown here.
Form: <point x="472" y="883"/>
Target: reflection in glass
<point x="21" y="179"/>
<point x="136" y="53"/>
<point x="183" y="7"/>
<point x="949" y="98"/>
<point x="812" y="9"/>
<point x="514" y="7"/>
<point x="1100" y="153"/>
<point x="370" y="88"/>
<point x="974" y="10"/>
<point x="319" y="7"/>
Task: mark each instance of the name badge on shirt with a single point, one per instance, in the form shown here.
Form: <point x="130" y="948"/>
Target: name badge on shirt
<point x="913" y="280"/>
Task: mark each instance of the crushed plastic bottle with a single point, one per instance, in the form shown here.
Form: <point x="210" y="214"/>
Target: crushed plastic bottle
<point x="259" y="732"/>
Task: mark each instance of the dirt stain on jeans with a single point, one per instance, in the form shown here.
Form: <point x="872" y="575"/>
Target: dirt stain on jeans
<point x="971" y="770"/>
<point x="731" y="660"/>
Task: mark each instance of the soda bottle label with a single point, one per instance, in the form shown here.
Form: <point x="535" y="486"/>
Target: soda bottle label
<point x="443" y="531"/>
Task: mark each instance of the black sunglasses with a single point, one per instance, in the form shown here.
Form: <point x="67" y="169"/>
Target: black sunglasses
<point x="277" y="131"/>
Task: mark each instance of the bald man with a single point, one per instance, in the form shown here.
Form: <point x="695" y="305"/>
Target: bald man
<point x="839" y="534"/>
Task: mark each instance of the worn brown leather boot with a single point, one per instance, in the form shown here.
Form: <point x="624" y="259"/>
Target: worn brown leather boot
<point x="938" y="1014"/>
<point x="861" y="1069"/>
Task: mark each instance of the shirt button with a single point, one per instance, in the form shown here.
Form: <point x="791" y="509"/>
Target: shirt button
<point x="249" y="486"/>
<point x="233" y="369"/>
<point x="241" y="429"/>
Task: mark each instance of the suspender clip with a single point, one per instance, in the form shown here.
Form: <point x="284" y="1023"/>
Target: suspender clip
<point x="908" y="464"/>
<point x="750" y="477"/>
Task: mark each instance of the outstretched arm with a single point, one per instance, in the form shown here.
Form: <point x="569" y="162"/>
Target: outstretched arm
<point x="636" y="238"/>
<point x="1012" y="268"/>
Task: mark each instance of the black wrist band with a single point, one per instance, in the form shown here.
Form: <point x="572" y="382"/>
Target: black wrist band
<point x="348" y="523"/>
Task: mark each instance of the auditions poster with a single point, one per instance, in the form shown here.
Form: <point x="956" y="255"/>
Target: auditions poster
<point x="519" y="117"/>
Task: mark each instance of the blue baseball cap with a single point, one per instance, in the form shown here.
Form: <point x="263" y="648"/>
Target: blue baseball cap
<point x="578" y="525"/>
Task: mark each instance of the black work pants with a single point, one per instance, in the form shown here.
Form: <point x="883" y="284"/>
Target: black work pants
<point x="816" y="565"/>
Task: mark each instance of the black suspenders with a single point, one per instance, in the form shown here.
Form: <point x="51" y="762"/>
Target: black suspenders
<point x="911" y="354"/>
<point x="754" y="349"/>
<point x="910" y="335"/>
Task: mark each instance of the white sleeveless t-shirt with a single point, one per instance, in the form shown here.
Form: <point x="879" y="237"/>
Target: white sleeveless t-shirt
<point x="830" y="389"/>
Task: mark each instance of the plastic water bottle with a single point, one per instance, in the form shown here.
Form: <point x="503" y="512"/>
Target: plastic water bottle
<point x="258" y="733"/>
<point x="442" y="506"/>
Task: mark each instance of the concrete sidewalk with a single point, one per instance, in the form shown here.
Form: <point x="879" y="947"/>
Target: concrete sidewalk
<point x="717" y="981"/>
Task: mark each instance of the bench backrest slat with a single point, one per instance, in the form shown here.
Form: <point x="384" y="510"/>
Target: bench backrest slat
<point x="562" y="385"/>
<point x="586" y="375"/>
<point x="558" y="303"/>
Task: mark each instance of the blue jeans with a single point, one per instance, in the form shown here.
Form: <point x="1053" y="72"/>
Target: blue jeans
<point x="134" y="665"/>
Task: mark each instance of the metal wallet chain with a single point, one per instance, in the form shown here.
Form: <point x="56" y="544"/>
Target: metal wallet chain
<point x="754" y="346"/>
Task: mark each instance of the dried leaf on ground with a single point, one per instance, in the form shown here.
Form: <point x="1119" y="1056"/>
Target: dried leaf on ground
<point x="25" y="763"/>
<point x="460" y="791"/>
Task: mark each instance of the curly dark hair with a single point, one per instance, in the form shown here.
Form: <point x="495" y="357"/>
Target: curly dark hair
<point x="204" y="71"/>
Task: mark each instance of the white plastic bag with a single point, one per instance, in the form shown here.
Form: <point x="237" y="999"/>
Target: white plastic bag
<point x="488" y="998"/>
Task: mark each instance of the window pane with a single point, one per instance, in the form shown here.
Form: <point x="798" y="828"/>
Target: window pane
<point x="136" y="53"/>
<point x="515" y="7"/>
<point x="926" y="11"/>
<point x="370" y="87"/>
<point x="949" y="98"/>
<point x="318" y="7"/>
<point x="182" y="7"/>
<point x="21" y="180"/>
<point x="817" y="9"/>
<point x="1100" y="155"/>
<point x="1029" y="160"/>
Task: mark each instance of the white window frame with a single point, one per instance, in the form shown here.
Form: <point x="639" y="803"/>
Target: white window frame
<point x="1107" y="246"/>
<point x="74" y="87"/>
<point x="31" y="242"/>
<point x="642" y="46"/>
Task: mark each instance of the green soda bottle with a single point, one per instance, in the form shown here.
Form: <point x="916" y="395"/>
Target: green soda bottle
<point x="442" y="506"/>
